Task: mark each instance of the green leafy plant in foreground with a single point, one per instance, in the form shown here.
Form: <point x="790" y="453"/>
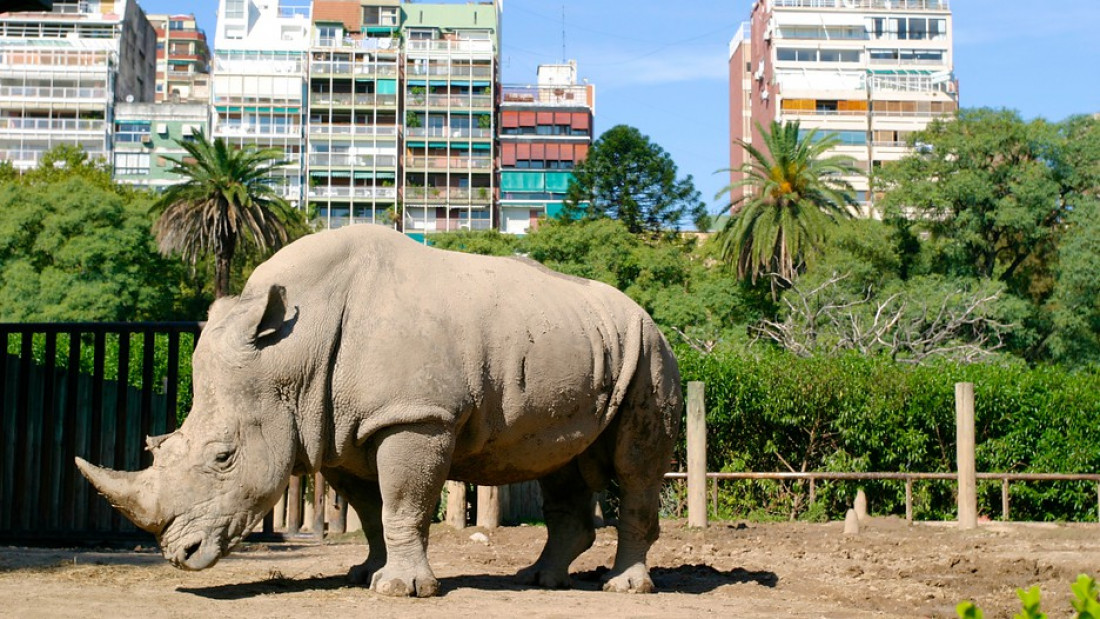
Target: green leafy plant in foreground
<point x="1084" y="602"/>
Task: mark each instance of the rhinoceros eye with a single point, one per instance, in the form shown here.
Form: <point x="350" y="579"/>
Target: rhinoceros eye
<point x="224" y="458"/>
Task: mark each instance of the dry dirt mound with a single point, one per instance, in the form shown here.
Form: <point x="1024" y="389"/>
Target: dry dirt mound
<point x="733" y="569"/>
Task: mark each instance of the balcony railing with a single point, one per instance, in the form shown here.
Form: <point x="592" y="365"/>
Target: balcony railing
<point x="343" y="67"/>
<point x="356" y="130"/>
<point x="68" y="59"/>
<point x="48" y="124"/>
<point x="276" y="130"/>
<point x="566" y="96"/>
<point x="448" y="132"/>
<point x="365" y="193"/>
<point x="448" y="70"/>
<point x="347" y="160"/>
<point x="450" y="101"/>
<point x="450" y="163"/>
<point x="479" y="46"/>
<point x="449" y="194"/>
<point x="877" y="5"/>
<point x="347" y="98"/>
<point x="47" y="92"/>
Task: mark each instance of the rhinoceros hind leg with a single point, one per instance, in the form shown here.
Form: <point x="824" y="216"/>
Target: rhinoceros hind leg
<point x="412" y="466"/>
<point x="365" y="497"/>
<point x="570" y="530"/>
<point x="643" y="449"/>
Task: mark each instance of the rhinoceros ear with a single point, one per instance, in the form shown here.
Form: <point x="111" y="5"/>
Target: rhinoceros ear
<point x="264" y="316"/>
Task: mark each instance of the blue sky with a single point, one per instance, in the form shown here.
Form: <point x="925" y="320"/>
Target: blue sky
<point x="662" y="66"/>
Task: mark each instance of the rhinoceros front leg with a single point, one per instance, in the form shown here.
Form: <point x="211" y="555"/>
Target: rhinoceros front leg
<point x="412" y="465"/>
<point x="365" y="498"/>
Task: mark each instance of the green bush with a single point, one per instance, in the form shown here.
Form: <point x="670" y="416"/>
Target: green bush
<point x="769" y="410"/>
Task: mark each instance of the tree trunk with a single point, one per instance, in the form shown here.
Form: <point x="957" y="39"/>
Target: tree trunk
<point x="223" y="261"/>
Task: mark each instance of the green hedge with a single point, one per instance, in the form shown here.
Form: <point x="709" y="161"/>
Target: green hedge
<point x="771" y="411"/>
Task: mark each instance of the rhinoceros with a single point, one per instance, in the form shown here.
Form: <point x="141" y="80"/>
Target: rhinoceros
<point x="390" y="367"/>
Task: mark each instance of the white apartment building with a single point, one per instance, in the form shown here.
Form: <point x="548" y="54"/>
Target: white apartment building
<point x="870" y="72"/>
<point x="259" y="80"/>
<point x="61" y="73"/>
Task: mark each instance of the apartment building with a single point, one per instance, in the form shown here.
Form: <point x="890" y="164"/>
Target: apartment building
<point x="259" y="79"/>
<point x="870" y="72"/>
<point x="352" y="125"/>
<point x="451" y="76"/>
<point x="183" y="60"/>
<point x="62" y="72"/>
<point x="146" y="135"/>
<point x="545" y="131"/>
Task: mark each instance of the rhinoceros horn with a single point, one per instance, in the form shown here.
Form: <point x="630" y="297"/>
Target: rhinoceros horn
<point x="132" y="493"/>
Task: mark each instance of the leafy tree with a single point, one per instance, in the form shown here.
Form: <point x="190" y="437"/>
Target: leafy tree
<point x="985" y="191"/>
<point x="72" y="250"/>
<point x="226" y="201"/>
<point x="797" y="193"/>
<point x="628" y="178"/>
<point x="1075" y="305"/>
<point x="485" y="242"/>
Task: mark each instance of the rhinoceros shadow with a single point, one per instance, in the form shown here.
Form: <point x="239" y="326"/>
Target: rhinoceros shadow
<point x="690" y="579"/>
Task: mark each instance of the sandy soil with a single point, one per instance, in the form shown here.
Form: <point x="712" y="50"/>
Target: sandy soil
<point x="730" y="569"/>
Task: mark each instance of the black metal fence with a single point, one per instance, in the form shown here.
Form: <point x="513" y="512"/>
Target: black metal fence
<point x="93" y="390"/>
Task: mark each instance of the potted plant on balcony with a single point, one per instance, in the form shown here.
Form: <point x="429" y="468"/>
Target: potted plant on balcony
<point x="483" y="193"/>
<point x="412" y="120"/>
<point x="484" y="121"/>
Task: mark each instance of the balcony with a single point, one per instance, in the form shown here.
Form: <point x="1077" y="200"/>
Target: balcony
<point x="17" y="60"/>
<point x="346" y="67"/>
<point x="481" y="164"/>
<point x="348" y="99"/>
<point x="449" y="195"/>
<point x="69" y="94"/>
<point x="355" y="193"/>
<point x="450" y="101"/>
<point x="257" y="130"/>
<point x="353" y="130"/>
<point x="864" y="5"/>
<point x="448" y="70"/>
<point x="448" y="132"/>
<point x="470" y="47"/>
<point x="562" y="96"/>
<point x="52" y="125"/>
<point x="348" y="160"/>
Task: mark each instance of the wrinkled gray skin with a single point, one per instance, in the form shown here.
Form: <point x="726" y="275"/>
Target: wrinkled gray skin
<point x="391" y="367"/>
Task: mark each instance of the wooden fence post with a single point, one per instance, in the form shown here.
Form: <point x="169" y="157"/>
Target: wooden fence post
<point x="488" y="507"/>
<point x="456" y="504"/>
<point x="294" y="505"/>
<point x="964" y="436"/>
<point x="696" y="455"/>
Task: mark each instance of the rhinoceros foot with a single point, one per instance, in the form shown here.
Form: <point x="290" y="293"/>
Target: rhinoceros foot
<point x="410" y="582"/>
<point x="541" y="576"/>
<point x="634" y="579"/>
<point x="361" y="574"/>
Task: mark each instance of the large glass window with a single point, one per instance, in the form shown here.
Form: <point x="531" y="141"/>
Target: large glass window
<point x="131" y="132"/>
<point x="234" y="9"/>
<point x="131" y="163"/>
<point x="380" y="16"/>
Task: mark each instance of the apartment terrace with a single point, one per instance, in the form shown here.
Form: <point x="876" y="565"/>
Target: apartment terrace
<point x="562" y="96"/>
<point x="348" y="160"/>
<point x="353" y="192"/>
<point x="322" y="128"/>
<point x="448" y="132"/>
<point x="348" y="99"/>
<point x="865" y="5"/>
<point x="448" y="194"/>
<point x="433" y="162"/>
<point x="450" y="101"/>
<point x="347" y="67"/>
<point x="15" y="60"/>
<point x="48" y="93"/>
<point x="35" y="125"/>
<point x="475" y="46"/>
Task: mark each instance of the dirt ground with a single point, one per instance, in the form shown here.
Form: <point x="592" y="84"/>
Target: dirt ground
<point x="889" y="569"/>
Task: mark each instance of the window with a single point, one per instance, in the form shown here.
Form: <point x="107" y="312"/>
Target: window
<point x="131" y="132"/>
<point x="131" y="163"/>
<point x="177" y="24"/>
<point x="327" y="36"/>
<point x="234" y="9"/>
<point x="420" y="34"/>
<point x="380" y="16"/>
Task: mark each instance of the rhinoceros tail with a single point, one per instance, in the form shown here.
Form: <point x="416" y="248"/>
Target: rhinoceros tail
<point x="631" y="353"/>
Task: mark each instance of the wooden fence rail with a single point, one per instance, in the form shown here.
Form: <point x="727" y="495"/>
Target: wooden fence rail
<point x="908" y="478"/>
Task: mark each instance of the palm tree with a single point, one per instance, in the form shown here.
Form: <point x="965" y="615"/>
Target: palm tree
<point x="227" y="200"/>
<point x="797" y="191"/>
